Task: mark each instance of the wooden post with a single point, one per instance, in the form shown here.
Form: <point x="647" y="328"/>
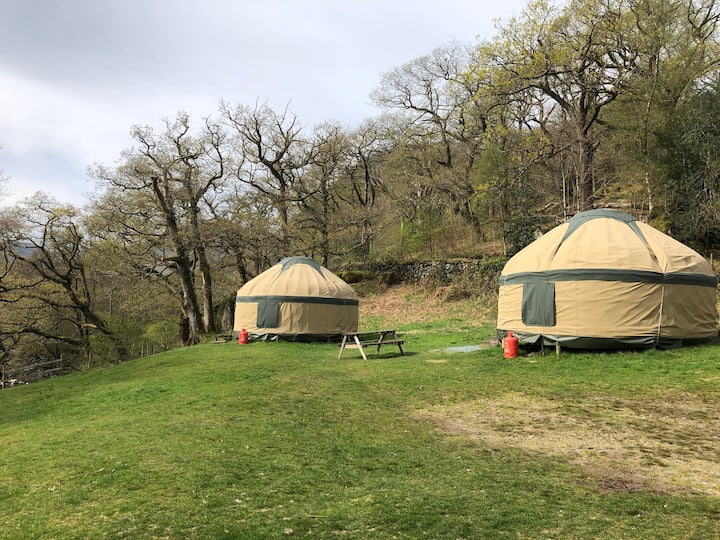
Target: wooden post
<point x="557" y="348"/>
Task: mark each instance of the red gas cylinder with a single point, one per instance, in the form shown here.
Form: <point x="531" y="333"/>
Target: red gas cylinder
<point x="511" y="346"/>
<point x="242" y="337"/>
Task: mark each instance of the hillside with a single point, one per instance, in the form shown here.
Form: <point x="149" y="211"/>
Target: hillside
<point x="410" y="303"/>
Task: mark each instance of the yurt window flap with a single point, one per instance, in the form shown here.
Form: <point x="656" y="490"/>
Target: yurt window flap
<point x="267" y="313"/>
<point x="538" y="304"/>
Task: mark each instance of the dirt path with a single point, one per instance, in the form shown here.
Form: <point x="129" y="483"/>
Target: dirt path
<point x="668" y="443"/>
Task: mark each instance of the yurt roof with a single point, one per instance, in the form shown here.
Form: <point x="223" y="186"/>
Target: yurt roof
<point x="607" y="239"/>
<point x="298" y="277"/>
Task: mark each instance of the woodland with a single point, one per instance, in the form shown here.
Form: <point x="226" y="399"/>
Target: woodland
<point x="478" y="148"/>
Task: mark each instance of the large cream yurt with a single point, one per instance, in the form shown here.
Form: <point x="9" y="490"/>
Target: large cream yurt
<point x="298" y="300"/>
<point x="605" y="280"/>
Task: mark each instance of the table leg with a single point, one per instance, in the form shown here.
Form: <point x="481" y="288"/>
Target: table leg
<point x="362" y="349"/>
<point x="342" y="347"/>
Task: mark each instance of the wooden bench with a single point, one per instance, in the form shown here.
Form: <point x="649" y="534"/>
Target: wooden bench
<point x="30" y="372"/>
<point x="222" y="338"/>
<point x="363" y="340"/>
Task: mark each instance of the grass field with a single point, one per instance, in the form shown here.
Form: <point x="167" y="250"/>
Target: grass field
<point x="277" y="440"/>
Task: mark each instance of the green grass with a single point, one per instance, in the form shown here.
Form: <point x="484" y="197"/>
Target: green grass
<point x="273" y="440"/>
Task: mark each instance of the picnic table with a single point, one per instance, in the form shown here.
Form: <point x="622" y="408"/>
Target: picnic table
<point x="362" y="340"/>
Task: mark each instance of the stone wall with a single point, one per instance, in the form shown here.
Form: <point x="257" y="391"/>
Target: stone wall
<point x="440" y="272"/>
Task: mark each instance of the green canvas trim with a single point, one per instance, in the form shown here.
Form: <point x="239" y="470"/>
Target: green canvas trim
<point x="268" y="313"/>
<point x="287" y="262"/>
<point x="606" y="274"/>
<point x="580" y="219"/>
<point x="582" y="342"/>
<point x="306" y="338"/>
<point x="538" y="304"/>
<point x="691" y="279"/>
<point x="298" y="300"/>
<point x="624" y="342"/>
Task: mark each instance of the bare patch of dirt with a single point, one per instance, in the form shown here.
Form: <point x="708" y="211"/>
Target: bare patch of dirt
<point x="668" y="443"/>
<point x="403" y="304"/>
<point x="409" y="303"/>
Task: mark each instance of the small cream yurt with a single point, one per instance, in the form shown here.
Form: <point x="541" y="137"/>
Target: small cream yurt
<point x="296" y="300"/>
<point x="605" y="280"/>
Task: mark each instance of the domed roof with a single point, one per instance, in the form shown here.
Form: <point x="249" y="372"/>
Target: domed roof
<point x="298" y="276"/>
<point x="607" y="239"/>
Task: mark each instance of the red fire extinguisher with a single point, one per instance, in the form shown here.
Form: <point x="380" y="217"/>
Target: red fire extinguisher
<point x="511" y="346"/>
<point x="242" y="337"/>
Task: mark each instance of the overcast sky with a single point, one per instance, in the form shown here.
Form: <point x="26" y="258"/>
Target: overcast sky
<point x="75" y="75"/>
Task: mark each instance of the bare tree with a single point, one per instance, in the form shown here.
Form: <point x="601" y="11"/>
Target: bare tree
<point x="328" y="155"/>
<point x="368" y="148"/>
<point x="172" y="173"/>
<point x="44" y="271"/>
<point x="573" y="56"/>
<point x="445" y="123"/>
<point x="275" y="158"/>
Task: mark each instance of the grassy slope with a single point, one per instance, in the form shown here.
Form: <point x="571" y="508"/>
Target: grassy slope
<point x="270" y="440"/>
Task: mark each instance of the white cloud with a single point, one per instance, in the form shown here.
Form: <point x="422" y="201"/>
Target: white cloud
<point x="75" y="75"/>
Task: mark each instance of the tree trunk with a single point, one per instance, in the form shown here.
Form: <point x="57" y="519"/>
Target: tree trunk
<point x="189" y="299"/>
<point x="586" y="174"/>
<point x="324" y="229"/>
<point x="181" y="261"/>
<point x="207" y="293"/>
<point x="205" y="272"/>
